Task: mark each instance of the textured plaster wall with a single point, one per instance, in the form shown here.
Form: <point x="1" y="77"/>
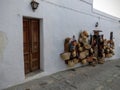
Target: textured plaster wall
<point x="60" y="19"/>
<point x="11" y="63"/>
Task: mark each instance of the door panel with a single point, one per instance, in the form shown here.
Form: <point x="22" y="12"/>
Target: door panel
<point x="35" y="44"/>
<point x="26" y="45"/>
<point x="31" y="45"/>
<point x="27" y="63"/>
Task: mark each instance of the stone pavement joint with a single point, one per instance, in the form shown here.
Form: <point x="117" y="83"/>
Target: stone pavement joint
<point x="68" y="82"/>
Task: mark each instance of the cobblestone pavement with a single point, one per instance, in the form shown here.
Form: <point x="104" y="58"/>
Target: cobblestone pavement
<point x="101" y="77"/>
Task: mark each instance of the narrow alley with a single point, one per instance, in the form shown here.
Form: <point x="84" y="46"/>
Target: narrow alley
<point x="101" y="77"/>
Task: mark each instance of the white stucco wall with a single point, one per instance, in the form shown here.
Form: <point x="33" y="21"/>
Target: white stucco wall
<point x="61" y="19"/>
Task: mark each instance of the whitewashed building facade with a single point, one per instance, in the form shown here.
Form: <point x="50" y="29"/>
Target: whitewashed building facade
<point x="56" y="20"/>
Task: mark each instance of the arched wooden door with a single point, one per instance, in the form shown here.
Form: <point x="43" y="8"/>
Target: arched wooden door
<point x="31" y="38"/>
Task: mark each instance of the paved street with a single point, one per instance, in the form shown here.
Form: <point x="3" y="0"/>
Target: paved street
<point x="101" y="77"/>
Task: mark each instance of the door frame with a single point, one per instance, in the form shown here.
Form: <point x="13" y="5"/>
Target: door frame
<point x="41" y="42"/>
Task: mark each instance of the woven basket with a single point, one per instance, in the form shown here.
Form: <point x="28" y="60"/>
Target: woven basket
<point x="91" y="50"/>
<point x="78" y="44"/>
<point x="108" y="50"/>
<point x="65" y="56"/>
<point x="104" y="47"/>
<point x="74" y="54"/>
<point x="80" y="49"/>
<point x="85" y="33"/>
<point x="86" y="52"/>
<point x="71" y="63"/>
<point x="103" y="54"/>
<point x="101" y="61"/>
<point x="109" y="55"/>
<point x="82" y="55"/>
<point x="95" y="58"/>
<point x="80" y="39"/>
<point x="84" y="41"/>
<point x="84" y="37"/>
<point x="84" y="61"/>
<point x="90" y="59"/>
<point x="75" y="60"/>
<point x="66" y="47"/>
<point x="87" y="46"/>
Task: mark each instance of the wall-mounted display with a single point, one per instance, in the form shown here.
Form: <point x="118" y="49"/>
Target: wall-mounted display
<point x="87" y="50"/>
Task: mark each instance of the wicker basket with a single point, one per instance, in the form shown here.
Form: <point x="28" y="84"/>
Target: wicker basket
<point x="87" y="46"/>
<point x="74" y="53"/>
<point x="80" y="49"/>
<point x="84" y="37"/>
<point x="109" y="55"/>
<point x="85" y="33"/>
<point x="82" y="55"/>
<point x="91" y="50"/>
<point x="84" y="61"/>
<point x="86" y="52"/>
<point x="71" y="63"/>
<point x="75" y="60"/>
<point x="65" y="56"/>
<point x="101" y="60"/>
<point x="90" y="59"/>
<point x="103" y="54"/>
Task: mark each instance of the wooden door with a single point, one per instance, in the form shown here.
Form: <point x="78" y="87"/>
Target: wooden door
<point x="31" y="44"/>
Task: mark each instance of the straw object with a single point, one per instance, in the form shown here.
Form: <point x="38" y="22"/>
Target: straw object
<point x="85" y="33"/>
<point x="90" y="59"/>
<point x="91" y="50"/>
<point x="101" y="61"/>
<point x="95" y="58"/>
<point x="75" y="60"/>
<point x="109" y="55"/>
<point x="84" y="61"/>
<point x="71" y="63"/>
<point x="86" y="52"/>
<point x="80" y="49"/>
<point x="84" y="37"/>
<point x="74" y="54"/>
<point x="87" y="46"/>
<point x="82" y="55"/>
<point x="103" y="55"/>
<point x="66" y="44"/>
<point x="65" y="56"/>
